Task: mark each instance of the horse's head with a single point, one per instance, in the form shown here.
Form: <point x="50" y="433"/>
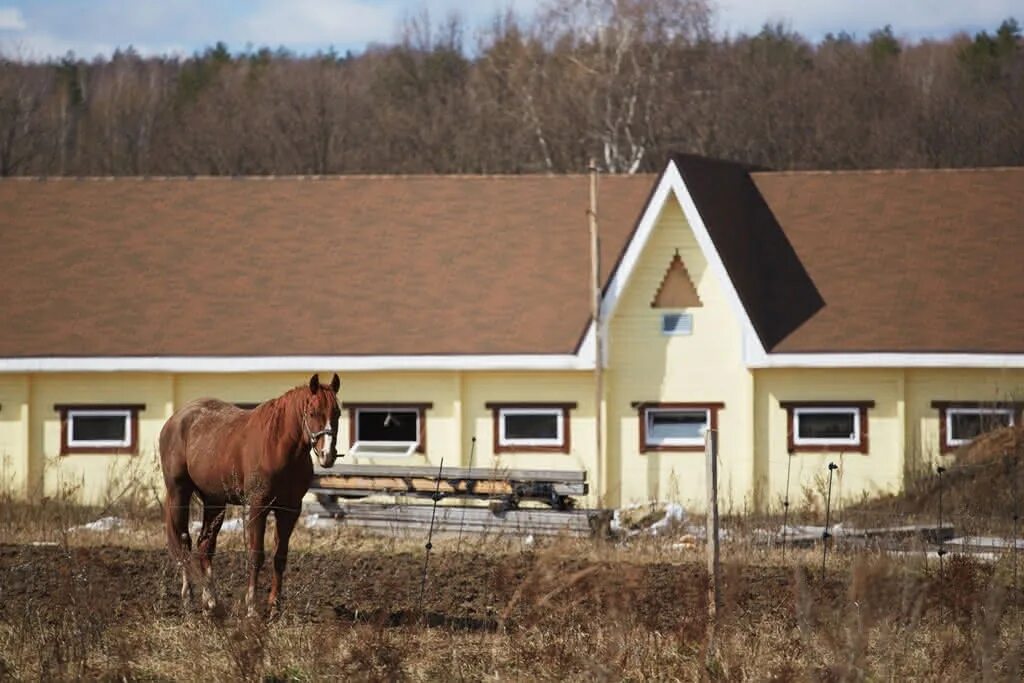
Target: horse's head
<point x="320" y="420"/>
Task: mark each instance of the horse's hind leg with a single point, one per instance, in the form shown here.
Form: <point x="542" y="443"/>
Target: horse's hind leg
<point x="213" y="517"/>
<point x="286" y="518"/>
<point x="179" y="494"/>
<point x="255" y="530"/>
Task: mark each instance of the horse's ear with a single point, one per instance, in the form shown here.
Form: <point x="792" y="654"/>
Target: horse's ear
<point x="335" y="383"/>
<point x="314" y="383"/>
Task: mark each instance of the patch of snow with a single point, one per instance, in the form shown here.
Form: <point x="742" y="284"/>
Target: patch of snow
<point x="315" y="521"/>
<point x="674" y="513"/>
<point x="101" y="524"/>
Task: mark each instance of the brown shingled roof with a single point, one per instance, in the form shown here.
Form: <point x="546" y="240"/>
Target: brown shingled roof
<point x="871" y="261"/>
<point x="293" y="266"/>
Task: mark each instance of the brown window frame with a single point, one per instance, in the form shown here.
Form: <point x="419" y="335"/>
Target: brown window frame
<point x="1015" y="408"/>
<point x="643" y="406"/>
<point x="133" y="410"/>
<point x="421" y="418"/>
<point x="864" y="443"/>
<point x="497" y="406"/>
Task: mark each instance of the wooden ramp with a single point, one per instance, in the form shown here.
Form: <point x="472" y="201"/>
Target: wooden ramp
<point x="551" y="487"/>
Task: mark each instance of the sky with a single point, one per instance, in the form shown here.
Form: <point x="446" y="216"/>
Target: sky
<point x="37" y="29"/>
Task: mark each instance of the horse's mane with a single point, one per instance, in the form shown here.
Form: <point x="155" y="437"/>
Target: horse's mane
<point x="271" y="411"/>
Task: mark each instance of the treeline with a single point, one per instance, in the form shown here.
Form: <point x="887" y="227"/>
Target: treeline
<point x="623" y="81"/>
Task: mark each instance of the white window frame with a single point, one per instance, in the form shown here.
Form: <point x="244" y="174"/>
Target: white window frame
<point x="853" y="440"/>
<point x="557" y="442"/>
<point x="99" y="412"/>
<point x="677" y="330"/>
<point x="385" y="449"/>
<point x="963" y="410"/>
<point x="655" y="443"/>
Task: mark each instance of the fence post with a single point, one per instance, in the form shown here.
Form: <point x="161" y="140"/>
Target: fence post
<point x="714" y="564"/>
<point x="785" y="504"/>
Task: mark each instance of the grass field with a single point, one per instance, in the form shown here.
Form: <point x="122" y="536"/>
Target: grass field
<point x="85" y="605"/>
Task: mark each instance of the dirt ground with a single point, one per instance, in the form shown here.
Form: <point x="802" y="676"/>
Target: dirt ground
<point x="106" y="607"/>
<point x="469" y="588"/>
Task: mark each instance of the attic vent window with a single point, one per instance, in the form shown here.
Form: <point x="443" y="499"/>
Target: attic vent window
<point x="676" y="324"/>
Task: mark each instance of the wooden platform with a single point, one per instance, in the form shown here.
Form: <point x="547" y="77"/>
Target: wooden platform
<point x="552" y="487"/>
<point x="415" y="519"/>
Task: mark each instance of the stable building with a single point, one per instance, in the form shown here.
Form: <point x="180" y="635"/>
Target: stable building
<point x="872" y="319"/>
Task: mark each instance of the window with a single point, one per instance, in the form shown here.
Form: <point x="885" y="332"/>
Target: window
<point x="827" y="425"/>
<point x="531" y="426"/>
<point x="99" y="428"/>
<point x="676" y="324"/>
<point x="676" y="426"/>
<point x="959" y="423"/>
<point x="382" y="430"/>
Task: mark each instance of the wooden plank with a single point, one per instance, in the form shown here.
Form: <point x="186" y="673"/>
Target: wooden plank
<point x="812" y="535"/>
<point x="555" y="476"/>
<point x="482" y="487"/>
<point x="416" y="518"/>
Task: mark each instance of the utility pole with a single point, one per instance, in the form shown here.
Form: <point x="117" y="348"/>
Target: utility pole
<point x="595" y="316"/>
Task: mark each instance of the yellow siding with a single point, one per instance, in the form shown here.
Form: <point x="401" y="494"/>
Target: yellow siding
<point x="91" y="478"/>
<point x="878" y="471"/>
<point x="14" y="453"/>
<point x="968" y="385"/>
<point x="702" y="368"/>
<point x="539" y="387"/>
<point x="903" y="426"/>
<point x="439" y="388"/>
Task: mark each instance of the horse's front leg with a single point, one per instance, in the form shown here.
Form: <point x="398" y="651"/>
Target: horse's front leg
<point x="286" y="518"/>
<point x="257" y="525"/>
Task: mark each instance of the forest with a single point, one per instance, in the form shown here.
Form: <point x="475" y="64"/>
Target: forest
<point x="626" y="82"/>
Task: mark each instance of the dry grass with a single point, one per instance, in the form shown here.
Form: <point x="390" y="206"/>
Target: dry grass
<point x="80" y="605"/>
<point x="103" y="606"/>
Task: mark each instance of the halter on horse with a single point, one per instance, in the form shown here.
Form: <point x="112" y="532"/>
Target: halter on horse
<point x="259" y="458"/>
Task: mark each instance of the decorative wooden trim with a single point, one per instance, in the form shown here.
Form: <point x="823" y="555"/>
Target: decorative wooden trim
<point x="420" y="408"/>
<point x="826" y="404"/>
<point x="687" y="298"/>
<point x="861" y="406"/>
<point x="943" y="406"/>
<point x="642" y="406"/>
<point x="131" y="449"/>
<point x="496" y="407"/>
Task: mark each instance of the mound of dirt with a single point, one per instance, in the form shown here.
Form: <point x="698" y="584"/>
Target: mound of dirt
<point x="983" y="486"/>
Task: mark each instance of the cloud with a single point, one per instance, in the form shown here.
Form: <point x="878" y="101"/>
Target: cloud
<point x="920" y="19"/>
<point x="11" y="19"/>
<point x="316" y="22"/>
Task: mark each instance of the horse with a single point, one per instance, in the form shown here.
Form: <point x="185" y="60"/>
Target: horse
<point x="226" y="455"/>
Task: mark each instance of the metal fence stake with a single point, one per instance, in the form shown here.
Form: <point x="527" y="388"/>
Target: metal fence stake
<point x="430" y="532"/>
<point x="942" y="537"/>
<point x="825" y="535"/>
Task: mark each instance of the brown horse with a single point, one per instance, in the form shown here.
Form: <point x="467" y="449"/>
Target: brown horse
<point x="260" y="458"/>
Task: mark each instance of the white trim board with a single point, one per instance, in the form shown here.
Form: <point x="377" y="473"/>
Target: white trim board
<point x="297" y="363"/>
<point x="887" y="360"/>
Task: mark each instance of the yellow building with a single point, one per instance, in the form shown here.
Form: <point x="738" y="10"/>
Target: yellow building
<point x="871" y="319"/>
